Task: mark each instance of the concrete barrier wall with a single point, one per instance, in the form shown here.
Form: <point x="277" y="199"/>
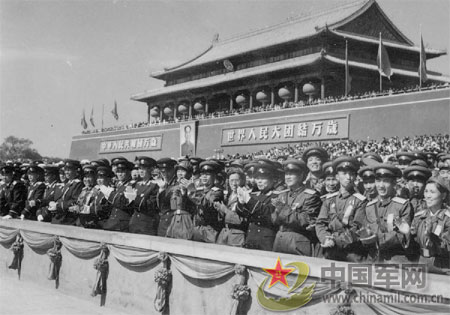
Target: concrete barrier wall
<point x="135" y="291"/>
<point x="410" y="114"/>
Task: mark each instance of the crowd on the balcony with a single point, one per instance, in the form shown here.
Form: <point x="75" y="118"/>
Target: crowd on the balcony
<point x="359" y="201"/>
<point x="268" y="107"/>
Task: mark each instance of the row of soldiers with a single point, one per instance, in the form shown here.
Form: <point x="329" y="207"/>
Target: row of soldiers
<point x="349" y="209"/>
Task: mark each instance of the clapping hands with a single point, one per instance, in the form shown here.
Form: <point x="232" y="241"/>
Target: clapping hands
<point x="243" y="195"/>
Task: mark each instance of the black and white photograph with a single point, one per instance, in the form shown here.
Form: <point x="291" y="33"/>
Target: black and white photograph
<point x="224" y="157"/>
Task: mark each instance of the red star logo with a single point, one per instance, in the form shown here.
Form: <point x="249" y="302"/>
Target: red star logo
<point x="278" y="274"/>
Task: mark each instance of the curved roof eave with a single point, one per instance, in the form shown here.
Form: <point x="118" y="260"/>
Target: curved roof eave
<point x="374" y="67"/>
<point x="228" y="77"/>
<point x="430" y="51"/>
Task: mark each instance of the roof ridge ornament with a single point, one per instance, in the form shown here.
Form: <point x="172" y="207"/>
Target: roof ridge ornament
<point x="215" y="39"/>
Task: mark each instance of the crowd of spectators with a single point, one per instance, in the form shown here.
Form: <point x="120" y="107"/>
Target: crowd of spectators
<point x="386" y="147"/>
<point x="270" y="107"/>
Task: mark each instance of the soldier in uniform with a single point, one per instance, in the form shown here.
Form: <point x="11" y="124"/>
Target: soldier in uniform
<point x="233" y="233"/>
<point x="13" y="194"/>
<point x="195" y="162"/>
<point x="367" y="176"/>
<point x="64" y="210"/>
<point x="387" y="219"/>
<point x="431" y="228"/>
<point x="145" y="218"/>
<point x="314" y="158"/>
<point x="331" y="184"/>
<point x="338" y="220"/>
<point x="416" y="177"/>
<point x="166" y="181"/>
<point x="53" y="191"/>
<point x="121" y="199"/>
<point x="295" y="212"/>
<point x="257" y="207"/>
<point x="182" y="225"/>
<point x="62" y="175"/>
<point x="207" y="222"/>
<point x="88" y="205"/>
<point x="249" y="170"/>
<point x="35" y="193"/>
<point x="103" y="206"/>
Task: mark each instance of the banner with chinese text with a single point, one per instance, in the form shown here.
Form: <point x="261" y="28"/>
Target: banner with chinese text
<point x="295" y="131"/>
<point x="134" y="144"/>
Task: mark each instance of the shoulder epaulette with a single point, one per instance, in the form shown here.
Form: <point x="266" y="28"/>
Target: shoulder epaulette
<point x="359" y="196"/>
<point x="399" y="200"/>
<point x="215" y="188"/>
<point x="310" y="191"/>
<point x="371" y="202"/>
<point x="419" y="213"/>
<point x="76" y="180"/>
<point x="38" y="183"/>
<point x="256" y="193"/>
<point x="332" y="195"/>
<point x="277" y="192"/>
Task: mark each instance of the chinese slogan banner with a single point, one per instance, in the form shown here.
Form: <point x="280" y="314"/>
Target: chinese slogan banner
<point x="136" y="144"/>
<point x="312" y="130"/>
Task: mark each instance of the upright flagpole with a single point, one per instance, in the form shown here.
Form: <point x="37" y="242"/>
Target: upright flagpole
<point x="103" y="114"/>
<point x="421" y="59"/>
<point x="381" y="64"/>
<point x="346" y="67"/>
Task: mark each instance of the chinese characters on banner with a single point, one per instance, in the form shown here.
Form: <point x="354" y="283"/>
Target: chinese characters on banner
<point x="135" y="144"/>
<point x="324" y="129"/>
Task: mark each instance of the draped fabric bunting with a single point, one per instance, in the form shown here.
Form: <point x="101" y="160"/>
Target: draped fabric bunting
<point x="136" y="259"/>
<point x="202" y="269"/>
<point x="8" y="236"/>
<point x="38" y="242"/>
<point x="102" y="266"/>
<point x="141" y="260"/>
<point x="383" y="306"/>
<point x="17" y="248"/>
<point x="81" y="249"/>
<point x="55" y="256"/>
<point x="241" y="291"/>
<point x="163" y="277"/>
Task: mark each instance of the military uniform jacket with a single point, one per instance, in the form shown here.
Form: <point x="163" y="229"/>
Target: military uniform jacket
<point x="164" y="198"/>
<point x="52" y="192"/>
<point x="206" y="214"/>
<point x="300" y="210"/>
<point x="340" y="217"/>
<point x="417" y="205"/>
<point x="231" y="218"/>
<point x="122" y="208"/>
<point x="259" y="209"/>
<point x="12" y="198"/>
<point x="146" y="198"/>
<point x="35" y="193"/>
<point x="70" y="193"/>
<point x="89" y="206"/>
<point x="432" y="232"/>
<point x="383" y="216"/>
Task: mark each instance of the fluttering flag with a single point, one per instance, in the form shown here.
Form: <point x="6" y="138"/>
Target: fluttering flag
<point x="92" y="117"/>
<point x="384" y="65"/>
<point x="83" y="121"/>
<point x="423" y="62"/>
<point x="114" y="111"/>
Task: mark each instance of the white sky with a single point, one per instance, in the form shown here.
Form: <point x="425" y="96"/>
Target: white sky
<point x="60" y="57"/>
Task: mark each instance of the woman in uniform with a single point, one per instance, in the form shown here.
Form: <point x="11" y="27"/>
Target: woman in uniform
<point x="431" y="227"/>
